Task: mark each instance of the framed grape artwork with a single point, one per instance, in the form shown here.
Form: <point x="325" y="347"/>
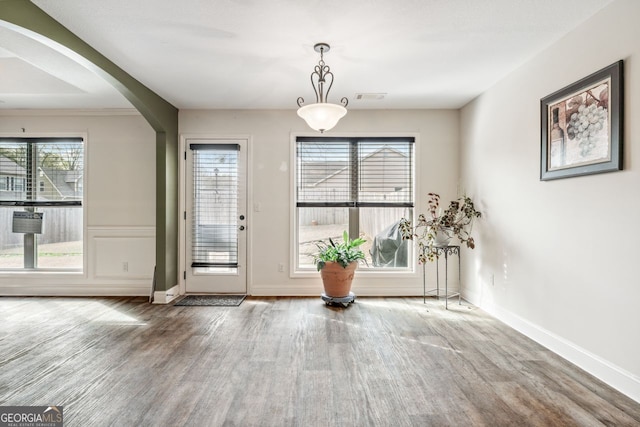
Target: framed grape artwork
<point x="581" y="126"/>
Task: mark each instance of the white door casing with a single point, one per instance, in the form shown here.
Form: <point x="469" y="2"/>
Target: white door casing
<point x="215" y="215"/>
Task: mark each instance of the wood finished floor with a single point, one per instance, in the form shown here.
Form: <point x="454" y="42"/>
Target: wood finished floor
<point x="290" y="362"/>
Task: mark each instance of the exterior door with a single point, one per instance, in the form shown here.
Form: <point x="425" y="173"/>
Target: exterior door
<point x="216" y="260"/>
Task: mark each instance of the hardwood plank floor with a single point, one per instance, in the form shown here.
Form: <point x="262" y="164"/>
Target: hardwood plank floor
<point x="290" y="362"/>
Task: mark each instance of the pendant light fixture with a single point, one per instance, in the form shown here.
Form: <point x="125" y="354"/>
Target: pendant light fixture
<point x="322" y="115"/>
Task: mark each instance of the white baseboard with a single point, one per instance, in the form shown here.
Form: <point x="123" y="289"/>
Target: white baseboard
<point x="618" y="378"/>
<point x="314" y="290"/>
<point x="74" y="291"/>
<point x="165" y="297"/>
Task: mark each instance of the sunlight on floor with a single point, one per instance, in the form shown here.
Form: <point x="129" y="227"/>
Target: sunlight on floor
<point x="86" y="308"/>
<point x="113" y="316"/>
<point x="386" y="304"/>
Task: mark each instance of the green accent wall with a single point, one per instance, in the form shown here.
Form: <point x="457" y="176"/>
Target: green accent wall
<point x="26" y="18"/>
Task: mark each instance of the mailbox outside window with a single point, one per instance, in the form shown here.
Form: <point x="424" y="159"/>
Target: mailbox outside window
<point x="27" y="222"/>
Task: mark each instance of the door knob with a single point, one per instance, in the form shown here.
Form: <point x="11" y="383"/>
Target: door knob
<point x="241" y="227"/>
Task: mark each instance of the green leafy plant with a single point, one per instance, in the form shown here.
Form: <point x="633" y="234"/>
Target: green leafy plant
<point x="343" y="253"/>
<point x="455" y="221"/>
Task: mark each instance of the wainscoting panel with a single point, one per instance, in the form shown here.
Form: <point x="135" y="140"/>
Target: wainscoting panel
<point x="122" y="253"/>
<point x="118" y="261"/>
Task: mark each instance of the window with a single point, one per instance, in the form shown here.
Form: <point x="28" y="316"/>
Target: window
<point x="362" y="185"/>
<point x="42" y="180"/>
<point x="215" y="208"/>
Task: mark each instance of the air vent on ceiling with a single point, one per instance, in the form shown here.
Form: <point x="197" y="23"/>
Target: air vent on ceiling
<point x="370" y="96"/>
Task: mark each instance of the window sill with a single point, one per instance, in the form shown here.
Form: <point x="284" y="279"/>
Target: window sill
<point x="371" y="273"/>
<point x="40" y="273"/>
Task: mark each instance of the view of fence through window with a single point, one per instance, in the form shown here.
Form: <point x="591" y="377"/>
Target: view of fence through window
<point x="41" y="194"/>
<point x="360" y="185"/>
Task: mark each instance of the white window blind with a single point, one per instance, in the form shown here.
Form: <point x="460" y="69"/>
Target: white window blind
<point x="215" y="205"/>
<point x="348" y="172"/>
<point x="385" y="173"/>
<point x="324" y="175"/>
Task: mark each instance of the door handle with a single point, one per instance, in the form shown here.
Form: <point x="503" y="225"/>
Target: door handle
<point x="241" y="228"/>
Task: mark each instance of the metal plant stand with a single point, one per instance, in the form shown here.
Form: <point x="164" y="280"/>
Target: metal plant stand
<point x="446" y="251"/>
<point x="343" y="301"/>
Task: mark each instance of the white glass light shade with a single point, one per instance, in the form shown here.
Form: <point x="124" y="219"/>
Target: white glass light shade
<point x="322" y="116"/>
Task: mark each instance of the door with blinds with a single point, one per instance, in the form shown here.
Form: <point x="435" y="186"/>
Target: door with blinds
<point x="216" y="216"/>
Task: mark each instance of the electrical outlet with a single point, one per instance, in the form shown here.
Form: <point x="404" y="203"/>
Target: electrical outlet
<point x="125" y="266"/>
<point x="281" y="268"/>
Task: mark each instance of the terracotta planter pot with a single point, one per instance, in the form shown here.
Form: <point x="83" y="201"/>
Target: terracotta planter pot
<point x="337" y="279"/>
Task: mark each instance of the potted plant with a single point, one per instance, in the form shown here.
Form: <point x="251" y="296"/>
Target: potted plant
<point x="438" y="227"/>
<point x="337" y="263"/>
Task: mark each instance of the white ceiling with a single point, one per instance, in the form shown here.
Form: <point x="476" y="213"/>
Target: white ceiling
<point x="246" y="54"/>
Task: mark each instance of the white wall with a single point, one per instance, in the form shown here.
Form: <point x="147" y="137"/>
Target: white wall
<point x="119" y="202"/>
<point x="270" y="154"/>
<point x="557" y="259"/>
<point x="120" y="192"/>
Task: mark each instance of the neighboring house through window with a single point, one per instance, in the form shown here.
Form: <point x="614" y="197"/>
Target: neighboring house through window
<point x="361" y="185"/>
<point x="39" y="178"/>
